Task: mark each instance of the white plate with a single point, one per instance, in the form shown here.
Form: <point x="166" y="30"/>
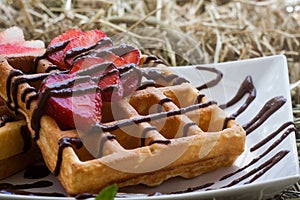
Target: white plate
<point x="270" y="78"/>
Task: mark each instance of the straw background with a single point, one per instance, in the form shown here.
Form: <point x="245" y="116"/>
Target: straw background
<point x="180" y="32"/>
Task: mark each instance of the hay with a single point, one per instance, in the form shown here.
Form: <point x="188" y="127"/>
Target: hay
<point x="180" y="32"/>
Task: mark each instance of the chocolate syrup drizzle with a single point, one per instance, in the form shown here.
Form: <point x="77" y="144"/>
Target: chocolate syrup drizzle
<point x="5" y="119"/>
<point x="63" y="143"/>
<point x="153" y="74"/>
<point x="269" y="108"/>
<point x="212" y="82"/>
<point x="153" y="60"/>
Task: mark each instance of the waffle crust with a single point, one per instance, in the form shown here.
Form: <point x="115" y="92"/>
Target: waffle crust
<point x="186" y="144"/>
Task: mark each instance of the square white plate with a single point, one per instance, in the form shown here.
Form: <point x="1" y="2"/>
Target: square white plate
<point x="270" y="78"/>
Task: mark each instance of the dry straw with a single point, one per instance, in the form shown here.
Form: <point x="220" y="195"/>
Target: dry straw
<point x="180" y="32"/>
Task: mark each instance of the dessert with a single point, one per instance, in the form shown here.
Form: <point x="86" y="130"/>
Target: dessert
<point x="132" y="127"/>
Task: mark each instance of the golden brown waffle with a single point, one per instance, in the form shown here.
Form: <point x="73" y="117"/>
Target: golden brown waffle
<point x="17" y="150"/>
<point x="151" y="136"/>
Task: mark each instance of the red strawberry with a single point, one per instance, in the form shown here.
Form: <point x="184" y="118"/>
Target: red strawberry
<point x="129" y="53"/>
<point x="111" y="86"/>
<point x="85" y="62"/>
<point x="130" y="78"/>
<point x="17" y="49"/>
<point x="83" y="43"/>
<point x="109" y="77"/>
<point x="111" y="57"/>
<point x="60" y="42"/>
<point x="66" y="36"/>
<point x="77" y="111"/>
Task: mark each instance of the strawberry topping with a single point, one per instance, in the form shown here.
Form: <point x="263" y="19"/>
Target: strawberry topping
<point x="83" y="43"/>
<point x="58" y="44"/>
<point x="73" y="103"/>
<point x="129" y="53"/>
<point x="111" y="71"/>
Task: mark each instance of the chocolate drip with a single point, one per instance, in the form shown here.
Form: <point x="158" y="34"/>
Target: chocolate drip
<point x="11" y="75"/>
<point x="154" y="74"/>
<point x="260" y="170"/>
<point x="226" y="121"/>
<point x="103" y="42"/>
<point x="269" y="108"/>
<point x="21" y="192"/>
<point x="186" y="128"/>
<point x="152" y="59"/>
<point x="95" y="69"/>
<point x="51" y="68"/>
<point x="144" y="85"/>
<point x="269" y="149"/>
<point x="122" y="50"/>
<point x="247" y="86"/>
<point x="85" y="196"/>
<point x="199" y="98"/>
<point x="166" y="142"/>
<point x="161" y="102"/>
<point x="104" y="139"/>
<point x="6" y="118"/>
<point x="192" y="189"/>
<point x="212" y="82"/>
<point x="26" y="136"/>
<point x="39" y="184"/>
<point x="108" y="128"/>
<point x="63" y="143"/>
<point x="145" y="131"/>
<point x="27" y="91"/>
<point x="36" y="172"/>
<point x="30" y="99"/>
<point x="272" y="135"/>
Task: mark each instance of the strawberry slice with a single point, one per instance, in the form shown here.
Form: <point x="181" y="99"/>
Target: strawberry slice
<point x="76" y="111"/>
<point x="104" y="73"/>
<point x="109" y="56"/>
<point x="129" y="53"/>
<point x="130" y="76"/>
<point x="17" y="49"/>
<point x="56" y="46"/>
<point x="111" y="86"/>
<point x="85" y="62"/>
<point x="83" y="43"/>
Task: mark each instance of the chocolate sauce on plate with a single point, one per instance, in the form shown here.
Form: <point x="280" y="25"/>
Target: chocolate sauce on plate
<point x="36" y="172"/>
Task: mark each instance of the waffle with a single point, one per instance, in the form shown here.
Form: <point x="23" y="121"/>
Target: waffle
<point x="146" y="138"/>
<point x="17" y="150"/>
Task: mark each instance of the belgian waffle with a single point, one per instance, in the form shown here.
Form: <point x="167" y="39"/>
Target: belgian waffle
<point x="17" y="150"/>
<point x="148" y="137"/>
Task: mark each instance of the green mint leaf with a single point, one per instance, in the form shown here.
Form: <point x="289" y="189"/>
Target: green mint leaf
<point x="108" y="193"/>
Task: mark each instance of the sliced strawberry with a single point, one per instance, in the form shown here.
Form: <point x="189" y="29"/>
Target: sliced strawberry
<point x="130" y="76"/>
<point x="83" y="43"/>
<point x="85" y="62"/>
<point x="66" y="36"/>
<point x="111" y="57"/>
<point x="76" y="111"/>
<point x="56" y="46"/>
<point x="129" y="53"/>
<point x="17" y="49"/>
<point x="111" y="86"/>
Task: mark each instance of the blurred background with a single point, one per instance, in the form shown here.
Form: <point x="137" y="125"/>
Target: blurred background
<point x="180" y="32"/>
